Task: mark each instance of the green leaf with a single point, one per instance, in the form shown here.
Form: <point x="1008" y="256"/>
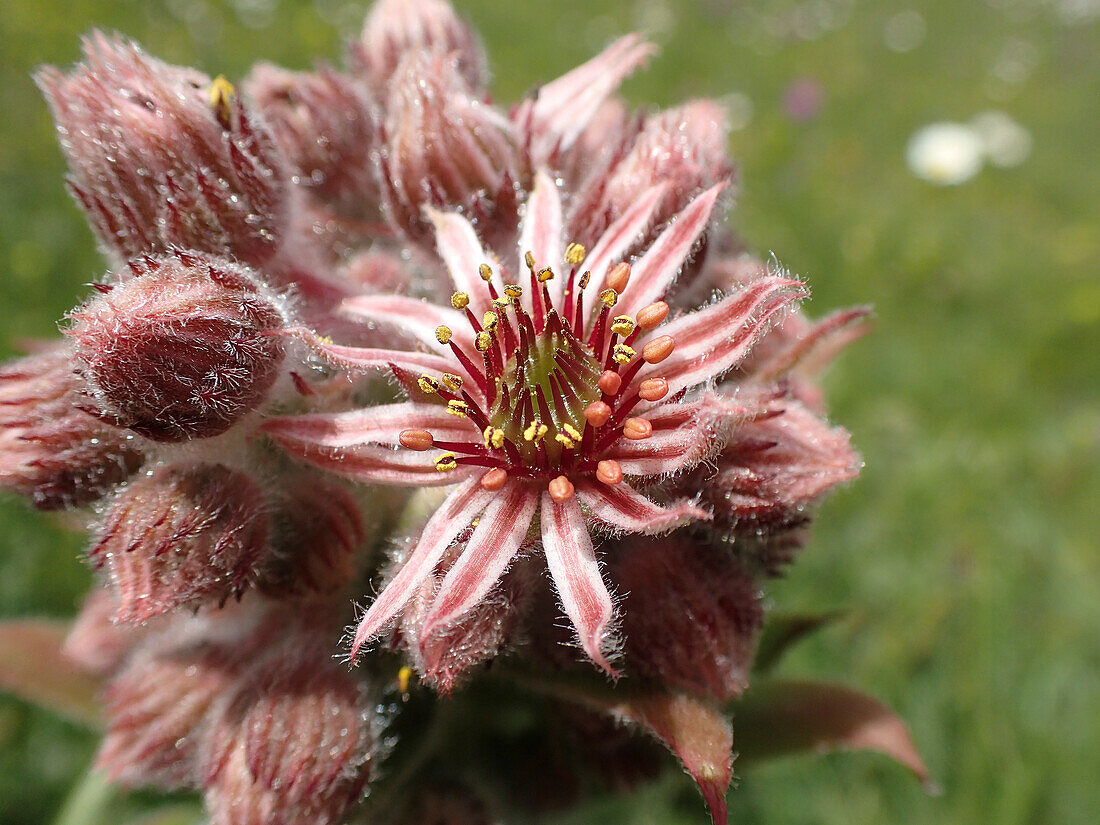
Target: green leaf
<point x="786" y="717"/>
<point x="33" y="668"/>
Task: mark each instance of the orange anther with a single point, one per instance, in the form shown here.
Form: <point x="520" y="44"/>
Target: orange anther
<point x="618" y="277"/>
<point x="494" y="479"/>
<point x="610" y="382"/>
<point x="416" y="439"/>
<point x="561" y="489"/>
<point x="658" y="349"/>
<point x="597" y="413"/>
<point x="637" y="428"/>
<point x="652" y="315"/>
<point x="653" y="389"/>
<point x="609" y="472"/>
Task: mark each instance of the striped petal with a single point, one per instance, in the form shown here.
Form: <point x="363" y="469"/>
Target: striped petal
<point x="655" y="271"/>
<point x="360" y="359"/>
<point x="370" y="425"/>
<point x="572" y="563"/>
<point x="496" y="540"/>
<point x="621" y="507"/>
<point x="459" y="509"/>
<point x="463" y="255"/>
<point x="540" y="233"/>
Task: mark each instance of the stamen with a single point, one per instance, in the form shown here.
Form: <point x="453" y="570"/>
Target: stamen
<point x="529" y="259"/>
<point x="609" y="472"/>
<point x="494" y="480"/>
<point x="418" y="440"/>
<point x="565" y="441"/>
<point x="574" y="254"/>
<point x="544" y="275"/>
<point x="443" y="334"/>
<point x="623" y="325"/>
<point x="653" y="389"/>
<point x="483" y="341"/>
<point x="494" y="437"/>
<point x="560" y="489"/>
<point x="451" y="381"/>
<point x="609" y="298"/>
<point x="637" y="428"/>
<point x="428" y="384"/>
<point x="622" y="354"/>
<point x="486" y="272"/>
<point x="651" y="316"/>
<point x="457" y="408"/>
<point x="460" y="300"/>
<point x="446" y="462"/>
<point x="535" y="431"/>
<point x="513" y="291"/>
<point x="618" y="277"/>
<point x="610" y="382"/>
<point x="597" y="413"/>
<point x="571" y="431"/>
<point x="658" y="349"/>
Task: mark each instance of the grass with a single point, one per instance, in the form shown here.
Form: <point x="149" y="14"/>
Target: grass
<point x="966" y="554"/>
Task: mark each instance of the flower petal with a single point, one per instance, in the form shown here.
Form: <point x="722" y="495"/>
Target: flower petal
<point x="618" y="238"/>
<point x="557" y="116"/>
<point x="462" y="254"/>
<point x="370" y="425"/>
<point x="454" y="515"/>
<point x="541" y="231"/>
<point x="572" y="563"/>
<point x="683" y="435"/>
<point x="621" y="507"/>
<point x="359" y="359"/>
<point x="418" y="319"/>
<point x="495" y="542"/>
<point x="711" y="341"/>
<point x="654" y="273"/>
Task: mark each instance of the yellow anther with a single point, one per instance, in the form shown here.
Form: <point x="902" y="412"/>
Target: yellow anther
<point x="529" y="259"/>
<point x="451" y="381"/>
<point x="460" y="300"/>
<point x="502" y="303"/>
<point x="486" y="272"/>
<point x="545" y="275"/>
<point x="489" y="321"/>
<point x="571" y="431"/>
<point x="457" y="408"/>
<point x="221" y="97"/>
<point x="404" y="677"/>
<point x="535" y="431"/>
<point x="428" y="384"/>
<point x="513" y="290"/>
<point x="622" y="325"/>
<point x="574" y="254"/>
<point x="483" y="341"/>
<point x="446" y="462"/>
<point x="609" y="297"/>
<point x="494" y="437"/>
<point x="564" y="440"/>
<point x="585" y="278"/>
<point x="623" y="354"/>
<point x="443" y="334"/>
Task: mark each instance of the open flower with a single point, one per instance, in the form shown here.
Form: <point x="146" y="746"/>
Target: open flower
<point x="551" y="400"/>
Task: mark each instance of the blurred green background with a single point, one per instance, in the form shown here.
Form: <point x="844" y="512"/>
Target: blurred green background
<point x="966" y="555"/>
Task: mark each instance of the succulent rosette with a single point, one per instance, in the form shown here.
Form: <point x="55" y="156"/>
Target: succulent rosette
<point x="382" y="371"/>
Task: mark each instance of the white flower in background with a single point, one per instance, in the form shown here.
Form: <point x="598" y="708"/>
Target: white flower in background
<point x="945" y="154"/>
<point x="1007" y="143"/>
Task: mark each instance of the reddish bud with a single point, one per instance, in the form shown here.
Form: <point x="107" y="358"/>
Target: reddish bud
<point x="294" y="746"/>
<point x="51" y="451"/>
<point x="183" y="535"/>
<point x="443" y="148"/>
<point x="161" y="156"/>
<point x="691" y="615"/>
<point x="397" y="28"/>
<point x="322" y="122"/>
<point x="183" y="350"/>
<point x="95" y="642"/>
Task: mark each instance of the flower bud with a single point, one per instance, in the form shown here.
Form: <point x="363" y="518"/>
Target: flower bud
<point x="323" y="124"/>
<point x="157" y="711"/>
<point x="294" y="746"/>
<point x="183" y="535"/>
<point x="396" y="28"/>
<point x="183" y="350"/>
<point x="95" y="643"/>
<point x="162" y="156"/>
<point x="442" y="147"/>
<point x="691" y="615"/>
<point x="50" y="450"/>
<point x="317" y="530"/>
<point x="683" y="147"/>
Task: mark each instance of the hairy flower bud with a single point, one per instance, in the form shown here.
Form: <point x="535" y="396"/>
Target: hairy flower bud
<point x="322" y="121"/>
<point x="182" y="535"/>
<point x="316" y="530"/>
<point x="396" y="28"/>
<point x="162" y="156"/>
<point x="442" y="147"/>
<point x="293" y="747"/>
<point x="157" y="711"/>
<point x="50" y="450"/>
<point x="691" y="615"/>
<point x="682" y="148"/>
<point x="183" y="350"/>
<point x="95" y="642"/>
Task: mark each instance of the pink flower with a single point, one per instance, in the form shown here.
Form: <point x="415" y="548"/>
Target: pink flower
<point x="553" y="404"/>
